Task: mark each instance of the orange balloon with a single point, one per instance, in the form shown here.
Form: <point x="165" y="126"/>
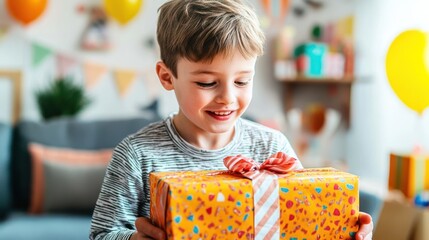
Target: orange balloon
<point x="26" y="11"/>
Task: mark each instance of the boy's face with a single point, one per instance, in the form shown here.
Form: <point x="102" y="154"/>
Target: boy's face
<point x="213" y="95"/>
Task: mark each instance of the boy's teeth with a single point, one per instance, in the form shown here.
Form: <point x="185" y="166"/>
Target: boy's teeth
<point x="222" y="113"/>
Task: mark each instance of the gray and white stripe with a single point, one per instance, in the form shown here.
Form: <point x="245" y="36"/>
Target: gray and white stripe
<point x="124" y="195"/>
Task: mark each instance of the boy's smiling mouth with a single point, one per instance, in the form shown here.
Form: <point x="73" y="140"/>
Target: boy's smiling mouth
<point x="220" y="115"/>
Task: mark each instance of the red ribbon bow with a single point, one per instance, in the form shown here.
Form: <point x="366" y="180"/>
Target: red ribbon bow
<point x="279" y="162"/>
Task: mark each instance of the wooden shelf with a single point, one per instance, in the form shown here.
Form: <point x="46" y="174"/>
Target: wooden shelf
<point x="340" y="85"/>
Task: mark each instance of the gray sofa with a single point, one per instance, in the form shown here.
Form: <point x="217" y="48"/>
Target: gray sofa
<point x="66" y="221"/>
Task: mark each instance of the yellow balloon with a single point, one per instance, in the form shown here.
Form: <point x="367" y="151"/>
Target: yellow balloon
<point x="407" y="68"/>
<point x="122" y="10"/>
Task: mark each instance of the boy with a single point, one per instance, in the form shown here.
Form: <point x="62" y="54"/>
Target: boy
<point x="208" y="54"/>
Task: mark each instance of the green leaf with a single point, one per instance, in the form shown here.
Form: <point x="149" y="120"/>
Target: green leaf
<point x="61" y="98"/>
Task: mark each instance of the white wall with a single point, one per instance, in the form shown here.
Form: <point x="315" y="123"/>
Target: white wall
<point x="60" y="28"/>
<point x="381" y="122"/>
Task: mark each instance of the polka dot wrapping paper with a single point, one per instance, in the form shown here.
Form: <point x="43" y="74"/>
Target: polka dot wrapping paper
<point x="315" y="203"/>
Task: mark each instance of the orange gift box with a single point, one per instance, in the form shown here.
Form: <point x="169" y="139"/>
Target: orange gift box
<point x="319" y="203"/>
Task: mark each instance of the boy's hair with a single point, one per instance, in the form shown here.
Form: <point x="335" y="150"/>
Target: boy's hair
<point x="198" y="30"/>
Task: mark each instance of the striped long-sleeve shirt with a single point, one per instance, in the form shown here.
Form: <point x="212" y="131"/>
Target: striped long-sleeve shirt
<point x="125" y="194"/>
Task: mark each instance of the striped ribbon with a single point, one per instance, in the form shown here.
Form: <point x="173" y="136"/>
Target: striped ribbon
<point x="265" y="189"/>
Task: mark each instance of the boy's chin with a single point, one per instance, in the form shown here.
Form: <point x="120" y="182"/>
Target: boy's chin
<point x="225" y="128"/>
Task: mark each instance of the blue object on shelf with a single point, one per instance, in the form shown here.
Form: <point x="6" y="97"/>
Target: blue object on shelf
<point x="315" y="54"/>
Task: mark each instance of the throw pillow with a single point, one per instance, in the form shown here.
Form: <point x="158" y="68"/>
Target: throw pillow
<point x="62" y="133"/>
<point x="66" y="180"/>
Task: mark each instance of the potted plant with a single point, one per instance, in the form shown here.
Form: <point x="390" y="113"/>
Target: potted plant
<point x="61" y="98"/>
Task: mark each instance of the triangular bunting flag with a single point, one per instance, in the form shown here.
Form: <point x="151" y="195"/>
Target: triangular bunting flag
<point x="124" y="79"/>
<point x="276" y="9"/>
<point x="266" y="4"/>
<point x="39" y="53"/>
<point x="345" y="27"/>
<point x="64" y="64"/>
<point x="93" y="73"/>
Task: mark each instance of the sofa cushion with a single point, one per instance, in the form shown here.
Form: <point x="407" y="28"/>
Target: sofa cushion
<point x="66" y="180"/>
<point x="64" y="133"/>
<point x="5" y="195"/>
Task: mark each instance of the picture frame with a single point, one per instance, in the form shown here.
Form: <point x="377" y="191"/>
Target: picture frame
<point x="15" y="76"/>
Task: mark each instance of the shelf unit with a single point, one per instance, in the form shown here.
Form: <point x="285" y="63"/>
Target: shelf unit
<point x="290" y="86"/>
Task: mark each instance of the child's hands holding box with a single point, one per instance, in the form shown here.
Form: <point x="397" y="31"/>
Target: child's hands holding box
<point x="319" y="203"/>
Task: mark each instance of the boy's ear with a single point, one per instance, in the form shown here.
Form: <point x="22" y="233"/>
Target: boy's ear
<point x="165" y="75"/>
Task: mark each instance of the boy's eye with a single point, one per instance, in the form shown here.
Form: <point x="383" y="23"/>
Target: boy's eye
<point x="206" y="85"/>
<point x="242" y="83"/>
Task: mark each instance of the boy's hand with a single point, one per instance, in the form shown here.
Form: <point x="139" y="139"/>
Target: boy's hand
<point x="365" y="227"/>
<point x="146" y="230"/>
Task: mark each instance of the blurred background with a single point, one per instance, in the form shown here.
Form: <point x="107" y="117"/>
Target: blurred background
<point x="346" y="81"/>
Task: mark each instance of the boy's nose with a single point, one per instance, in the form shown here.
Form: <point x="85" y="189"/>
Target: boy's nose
<point x="226" y="96"/>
